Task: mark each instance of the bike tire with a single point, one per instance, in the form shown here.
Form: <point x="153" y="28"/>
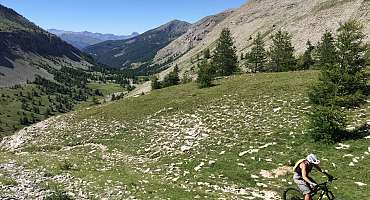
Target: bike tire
<point x="330" y="195"/>
<point x="292" y="194"/>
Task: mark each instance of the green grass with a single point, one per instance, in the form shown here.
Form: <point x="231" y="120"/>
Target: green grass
<point x="8" y="181"/>
<point x="106" y="89"/>
<point x="132" y="147"/>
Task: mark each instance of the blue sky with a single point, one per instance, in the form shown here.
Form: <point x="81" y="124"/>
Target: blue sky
<point x="115" y="16"/>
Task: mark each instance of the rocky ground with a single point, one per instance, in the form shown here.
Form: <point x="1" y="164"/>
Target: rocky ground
<point x="233" y="147"/>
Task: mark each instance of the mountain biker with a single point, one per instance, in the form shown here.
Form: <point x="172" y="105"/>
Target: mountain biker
<point x="301" y="176"/>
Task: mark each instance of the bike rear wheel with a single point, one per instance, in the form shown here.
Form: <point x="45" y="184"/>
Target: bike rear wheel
<point x="292" y="194"/>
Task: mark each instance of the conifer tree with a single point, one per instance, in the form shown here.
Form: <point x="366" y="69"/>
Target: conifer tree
<point x="207" y="53"/>
<point x="205" y="74"/>
<point x="282" y="52"/>
<point x="257" y="57"/>
<point x="225" y="59"/>
<point x="352" y="62"/>
<point x="342" y="81"/>
<point x="326" y="51"/>
<point x="172" y="78"/>
<point x="155" y="83"/>
<point x="307" y="59"/>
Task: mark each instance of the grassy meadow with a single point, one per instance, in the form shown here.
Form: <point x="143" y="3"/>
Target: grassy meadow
<point x="235" y="140"/>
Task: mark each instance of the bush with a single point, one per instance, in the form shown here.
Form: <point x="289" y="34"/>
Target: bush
<point x="327" y="124"/>
<point x="58" y="195"/>
<point x="66" y="165"/>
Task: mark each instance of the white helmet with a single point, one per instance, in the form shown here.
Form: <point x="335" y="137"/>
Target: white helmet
<point x="313" y="159"/>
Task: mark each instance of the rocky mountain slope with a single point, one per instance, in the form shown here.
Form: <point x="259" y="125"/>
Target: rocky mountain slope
<point x="27" y="50"/>
<point x="84" y="39"/>
<point x="196" y="33"/>
<point x="139" y="50"/>
<point x="303" y="19"/>
<point x="236" y="140"/>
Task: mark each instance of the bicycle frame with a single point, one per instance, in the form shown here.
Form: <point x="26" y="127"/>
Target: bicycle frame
<point x="323" y="190"/>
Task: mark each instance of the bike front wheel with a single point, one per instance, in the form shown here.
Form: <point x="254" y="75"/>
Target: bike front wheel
<point x="330" y="195"/>
<point x="292" y="194"/>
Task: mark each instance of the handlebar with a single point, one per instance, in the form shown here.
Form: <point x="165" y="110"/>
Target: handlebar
<point x="330" y="179"/>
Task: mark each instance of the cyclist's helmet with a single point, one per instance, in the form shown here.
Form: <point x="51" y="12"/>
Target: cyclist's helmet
<point x="312" y="158"/>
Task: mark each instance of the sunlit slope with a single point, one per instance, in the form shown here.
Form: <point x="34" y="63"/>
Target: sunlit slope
<point x="235" y="140"/>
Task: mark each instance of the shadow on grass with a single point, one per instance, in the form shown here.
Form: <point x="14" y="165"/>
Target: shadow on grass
<point x="367" y="90"/>
<point x="356" y="134"/>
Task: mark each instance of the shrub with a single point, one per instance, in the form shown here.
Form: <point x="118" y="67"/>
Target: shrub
<point x="66" y="165"/>
<point x="58" y="195"/>
<point x="327" y="124"/>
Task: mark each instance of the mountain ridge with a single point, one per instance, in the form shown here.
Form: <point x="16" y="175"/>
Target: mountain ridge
<point x="302" y="19"/>
<point x="84" y="39"/>
<point x="26" y="50"/>
<point x="137" y="50"/>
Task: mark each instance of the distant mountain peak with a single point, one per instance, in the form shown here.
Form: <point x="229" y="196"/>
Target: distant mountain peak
<point x="84" y="39"/>
<point x="140" y="50"/>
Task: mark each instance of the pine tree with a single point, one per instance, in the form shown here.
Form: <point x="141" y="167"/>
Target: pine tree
<point x="225" y="59"/>
<point x="172" y="78"/>
<point x="326" y="51"/>
<point x="205" y="74"/>
<point x="352" y="62"/>
<point x="282" y="52"/>
<point x="257" y="57"/>
<point x="307" y="60"/>
<point x="155" y="83"/>
<point x="207" y="53"/>
<point x="342" y="81"/>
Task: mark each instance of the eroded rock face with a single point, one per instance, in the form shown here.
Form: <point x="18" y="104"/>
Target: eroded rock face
<point x="196" y="33"/>
<point x="303" y="19"/>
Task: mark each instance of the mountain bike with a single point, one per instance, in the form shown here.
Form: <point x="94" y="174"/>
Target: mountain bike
<point x="321" y="190"/>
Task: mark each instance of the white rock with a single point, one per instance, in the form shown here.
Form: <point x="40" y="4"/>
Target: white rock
<point x="211" y="162"/>
<point x="243" y="153"/>
<point x="351" y="164"/>
<point x="268" y="160"/>
<point x="197" y="168"/>
<point x="254" y="176"/>
<point x="185" y="148"/>
<point x="222" y="152"/>
<point x="261" y="185"/>
<point x="360" y="184"/>
<point x="350" y="128"/>
<point x="276" y="109"/>
<point x="241" y="164"/>
<point x="342" y="146"/>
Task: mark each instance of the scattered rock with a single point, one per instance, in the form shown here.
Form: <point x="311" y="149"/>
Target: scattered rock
<point x="360" y="184"/>
<point x="197" y="168"/>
